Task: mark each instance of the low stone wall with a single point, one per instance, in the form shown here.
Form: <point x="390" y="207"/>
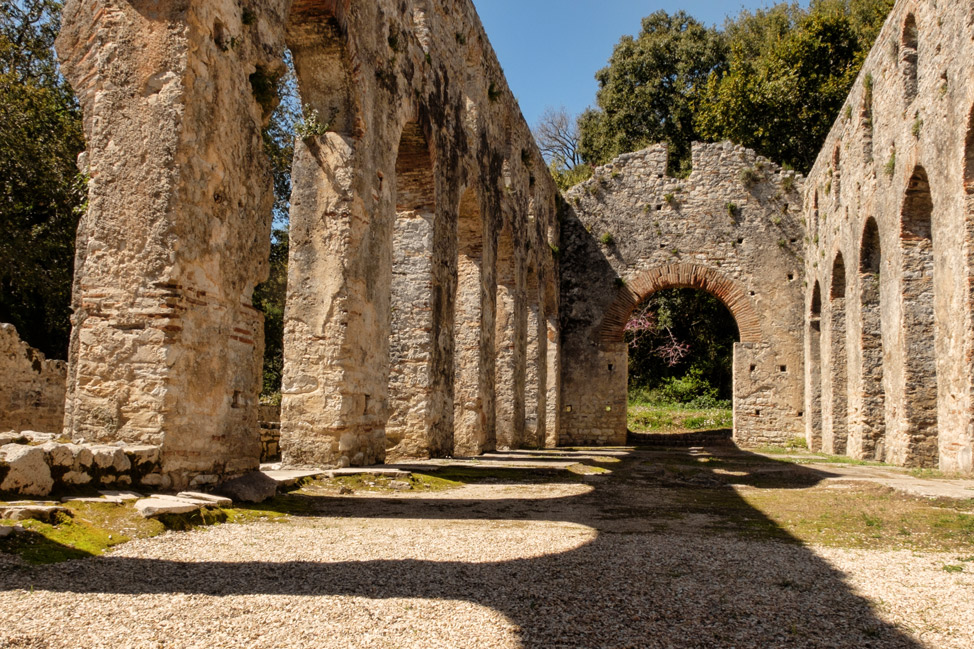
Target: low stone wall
<point x="34" y="464"/>
<point x="31" y="387"/>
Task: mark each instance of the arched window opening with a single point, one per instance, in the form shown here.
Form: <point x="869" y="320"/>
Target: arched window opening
<point x="813" y="405"/>
<point x="410" y="340"/>
<point x="919" y="444"/>
<point x="469" y="417"/>
<point x="509" y="367"/>
<point x="867" y="437"/>
<point x="835" y="430"/>
<point x="909" y="58"/>
<point x="969" y="155"/>
<point x="680" y="344"/>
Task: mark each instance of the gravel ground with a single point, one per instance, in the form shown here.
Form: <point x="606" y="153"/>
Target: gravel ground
<point x="555" y="565"/>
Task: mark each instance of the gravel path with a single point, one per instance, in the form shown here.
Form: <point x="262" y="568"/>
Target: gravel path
<point x="556" y="565"/>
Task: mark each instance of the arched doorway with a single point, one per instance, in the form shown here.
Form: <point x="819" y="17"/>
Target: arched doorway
<point x="680" y="346"/>
<point x="757" y="370"/>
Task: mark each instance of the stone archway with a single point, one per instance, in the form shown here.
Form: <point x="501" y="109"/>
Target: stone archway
<point x="683" y="275"/>
<point x="632" y="231"/>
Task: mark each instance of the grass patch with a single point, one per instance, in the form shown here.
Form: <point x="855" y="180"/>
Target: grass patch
<point x="796" y="455"/>
<point x="643" y="417"/>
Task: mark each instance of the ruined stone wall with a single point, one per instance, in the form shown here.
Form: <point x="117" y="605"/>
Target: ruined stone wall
<point x="889" y="336"/>
<point x="732" y="228"/>
<point x="166" y="347"/>
<point x="31" y="387"/>
<point x="397" y="292"/>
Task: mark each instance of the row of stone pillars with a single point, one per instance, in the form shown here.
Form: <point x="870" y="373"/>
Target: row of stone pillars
<point x="847" y="404"/>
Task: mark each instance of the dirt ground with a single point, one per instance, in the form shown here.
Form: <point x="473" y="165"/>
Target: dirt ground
<point x="609" y="548"/>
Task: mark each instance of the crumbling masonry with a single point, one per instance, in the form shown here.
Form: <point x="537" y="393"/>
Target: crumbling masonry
<point x="442" y="298"/>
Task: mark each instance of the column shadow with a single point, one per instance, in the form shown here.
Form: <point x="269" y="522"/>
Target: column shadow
<point x="663" y="568"/>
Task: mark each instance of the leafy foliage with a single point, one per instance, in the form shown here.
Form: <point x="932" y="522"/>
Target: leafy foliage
<point x="271" y="296"/>
<point x="788" y="75"/>
<point x="647" y="93"/>
<point x="773" y="80"/>
<point x="681" y="348"/>
<point x="41" y="190"/>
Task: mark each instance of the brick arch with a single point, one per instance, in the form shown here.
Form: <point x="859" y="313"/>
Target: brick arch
<point x="728" y="291"/>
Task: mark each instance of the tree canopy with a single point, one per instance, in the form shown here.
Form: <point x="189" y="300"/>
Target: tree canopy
<point x="773" y="80"/>
<point x="41" y="190"/>
<point x="647" y="92"/>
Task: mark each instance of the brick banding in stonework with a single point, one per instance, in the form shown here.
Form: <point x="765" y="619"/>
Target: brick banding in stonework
<point x="682" y="275"/>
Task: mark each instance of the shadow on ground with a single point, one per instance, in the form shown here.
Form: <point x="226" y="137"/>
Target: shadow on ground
<point x="678" y="560"/>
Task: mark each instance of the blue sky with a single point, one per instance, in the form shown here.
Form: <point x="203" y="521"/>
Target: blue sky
<point x="551" y="53"/>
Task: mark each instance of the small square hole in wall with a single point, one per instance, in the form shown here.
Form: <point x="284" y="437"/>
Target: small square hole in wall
<point x="611" y="367"/>
<point x="662" y="245"/>
<point x="793" y="240"/>
<point x="659" y="208"/>
<point x="740" y="240"/>
<point x="757" y="413"/>
<point x="754" y="367"/>
<point x="751" y="293"/>
<point x="659" y="175"/>
<point x="801" y="413"/>
<point x="782" y="368"/>
<point x="791" y="277"/>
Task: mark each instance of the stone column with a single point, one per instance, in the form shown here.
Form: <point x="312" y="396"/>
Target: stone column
<point x="166" y="347"/>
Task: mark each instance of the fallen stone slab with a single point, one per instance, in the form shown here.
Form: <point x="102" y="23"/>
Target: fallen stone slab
<point x="290" y="477"/>
<point x="121" y="495"/>
<point x="12" y="438"/>
<point x="5" y="531"/>
<point x="212" y="499"/>
<point x="160" y="505"/>
<point x="255" y="487"/>
<point x="43" y="513"/>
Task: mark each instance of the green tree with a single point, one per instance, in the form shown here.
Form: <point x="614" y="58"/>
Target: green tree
<point x="648" y="91"/>
<point x="790" y="71"/>
<point x="678" y="333"/>
<point x="41" y="191"/>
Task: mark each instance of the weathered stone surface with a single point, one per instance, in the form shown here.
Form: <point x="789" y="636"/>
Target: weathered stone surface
<point x="5" y="531"/>
<point x="31" y="387"/>
<point x="395" y="276"/>
<point x="889" y="342"/>
<point x="254" y="487"/>
<point x="731" y="229"/>
<point x="165" y="342"/>
<point x="23" y="470"/>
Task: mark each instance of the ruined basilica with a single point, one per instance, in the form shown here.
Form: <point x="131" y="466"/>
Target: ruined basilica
<point x="443" y="298"/>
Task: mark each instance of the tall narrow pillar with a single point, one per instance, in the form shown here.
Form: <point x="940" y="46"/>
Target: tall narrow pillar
<point x="166" y="347"/>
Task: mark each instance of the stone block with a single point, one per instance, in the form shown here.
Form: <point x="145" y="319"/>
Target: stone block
<point x="252" y="488"/>
<point x="27" y="470"/>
